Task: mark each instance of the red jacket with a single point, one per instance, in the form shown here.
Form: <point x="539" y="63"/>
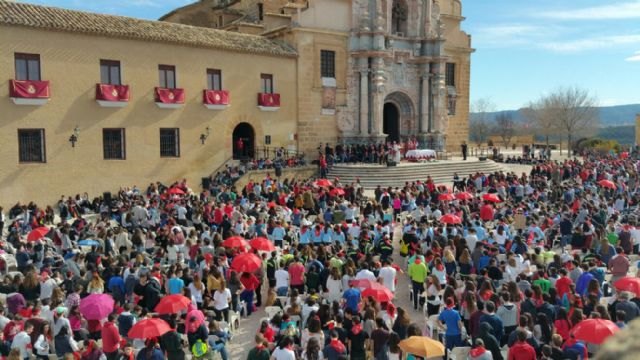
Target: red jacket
<point x="521" y="350"/>
<point x="110" y="337"/>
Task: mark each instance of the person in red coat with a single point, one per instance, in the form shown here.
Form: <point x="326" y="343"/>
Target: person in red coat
<point x="110" y="338"/>
<point x="521" y="350"/>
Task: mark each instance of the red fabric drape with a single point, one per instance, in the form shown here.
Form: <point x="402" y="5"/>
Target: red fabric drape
<point x="170" y="96"/>
<point x="29" y="89"/>
<point x="268" y="99"/>
<point x="216" y="97"/>
<point x="109" y="92"/>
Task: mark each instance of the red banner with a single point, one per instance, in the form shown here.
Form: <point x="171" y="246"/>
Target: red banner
<point x="170" y="96"/>
<point x="109" y="92"/>
<point x="269" y="100"/>
<point x="215" y="97"/>
<point x="29" y="89"/>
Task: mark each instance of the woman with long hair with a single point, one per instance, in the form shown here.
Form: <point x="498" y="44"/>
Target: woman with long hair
<point x="312" y="350"/>
<point x="197" y="289"/>
<point x="30" y="287"/>
<point x="41" y="346"/>
<point x="334" y="286"/>
<point x="394" y="349"/>
<point x="561" y="325"/>
<point x="91" y="351"/>
<point x="465" y="264"/>
<point x="433" y="295"/>
<point x="401" y="325"/>
<point x="313" y="330"/>
<point x="236" y="288"/>
<point x="96" y="285"/>
<point x="542" y="330"/>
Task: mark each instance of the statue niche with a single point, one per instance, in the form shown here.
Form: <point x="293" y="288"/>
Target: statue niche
<point x="399" y="16"/>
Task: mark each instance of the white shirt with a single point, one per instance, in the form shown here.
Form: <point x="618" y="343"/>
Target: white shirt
<point x="388" y="276"/>
<point x="365" y="274"/>
<point x="197" y="294"/>
<point x="46" y="288"/>
<point x="471" y="240"/>
<point x="221" y="299"/>
<point x="283" y="354"/>
<point x="20" y="341"/>
<point x="282" y="278"/>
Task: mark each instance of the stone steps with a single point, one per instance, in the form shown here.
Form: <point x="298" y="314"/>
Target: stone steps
<point x="441" y="172"/>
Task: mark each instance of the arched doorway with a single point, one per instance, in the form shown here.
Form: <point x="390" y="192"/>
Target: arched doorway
<point x="391" y="122"/>
<point x="244" y="141"/>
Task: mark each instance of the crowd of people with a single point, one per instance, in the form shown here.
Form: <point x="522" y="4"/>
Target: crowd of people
<point x="504" y="264"/>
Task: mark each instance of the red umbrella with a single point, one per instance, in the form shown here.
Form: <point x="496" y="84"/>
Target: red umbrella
<point x="378" y="292"/>
<point x="607" y="184"/>
<point x="235" y="242"/>
<point x="194" y="319"/>
<point x="96" y="306"/>
<point x="322" y="182"/>
<point x="337" y="192"/>
<point x="363" y="283"/>
<point x="149" y="328"/>
<point x="594" y="331"/>
<point x="464" y="196"/>
<point x="446" y="197"/>
<point x="38" y="233"/>
<point x="246" y="262"/>
<point x="492" y="198"/>
<point x="172" y="304"/>
<point x="175" y="191"/>
<point x="450" y="219"/>
<point x="262" y="244"/>
<point x="628" y="283"/>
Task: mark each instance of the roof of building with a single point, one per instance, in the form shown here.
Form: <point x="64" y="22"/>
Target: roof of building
<point x="52" y="18"/>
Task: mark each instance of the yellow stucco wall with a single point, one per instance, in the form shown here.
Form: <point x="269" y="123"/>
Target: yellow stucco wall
<point x="71" y="63"/>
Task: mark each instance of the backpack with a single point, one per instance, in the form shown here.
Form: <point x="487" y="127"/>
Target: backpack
<point x="404" y="249"/>
<point x="200" y="348"/>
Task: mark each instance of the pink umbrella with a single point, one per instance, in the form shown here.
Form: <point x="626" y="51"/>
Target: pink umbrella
<point x="96" y="306"/>
<point x="175" y="191"/>
<point x="194" y="319"/>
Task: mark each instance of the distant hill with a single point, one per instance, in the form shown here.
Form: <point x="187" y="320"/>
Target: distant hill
<point x="609" y="115"/>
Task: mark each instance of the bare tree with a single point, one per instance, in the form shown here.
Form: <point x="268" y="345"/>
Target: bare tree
<point x="479" y="126"/>
<point x="540" y="115"/>
<point x="505" y="127"/>
<point x="574" y="110"/>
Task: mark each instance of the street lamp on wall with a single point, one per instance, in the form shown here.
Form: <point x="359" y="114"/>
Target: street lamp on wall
<point x="205" y="135"/>
<point x="75" y="136"/>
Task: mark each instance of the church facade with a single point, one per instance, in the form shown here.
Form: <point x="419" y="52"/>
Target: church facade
<point x="92" y="102"/>
<point x="368" y="70"/>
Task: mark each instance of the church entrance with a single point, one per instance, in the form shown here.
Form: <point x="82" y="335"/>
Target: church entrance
<point x="243" y="142"/>
<point x="391" y="122"/>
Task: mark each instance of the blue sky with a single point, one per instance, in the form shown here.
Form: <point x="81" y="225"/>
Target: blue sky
<point x="524" y="48"/>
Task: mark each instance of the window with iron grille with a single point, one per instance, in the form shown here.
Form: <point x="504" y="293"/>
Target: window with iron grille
<point x="31" y="146"/>
<point x="266" y="83"/>
<point x="27" y="67"/>
<point x="214" y="79"/>
<point x="327" y="63"/>
<point x="110" y="72"/>
<point x="450" y="74"/>
<point x="170" y="142"/>
<point x="167" y="76"/>
<point x="113" y="142"/>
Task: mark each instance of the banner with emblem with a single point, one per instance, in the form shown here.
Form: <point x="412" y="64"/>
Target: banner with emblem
<point x="170" y="96"/>
<point x="269" y="100"/>
<point x="216" y="97"/>
<point x="29" y="89"/>
<point x="108" y="92"/>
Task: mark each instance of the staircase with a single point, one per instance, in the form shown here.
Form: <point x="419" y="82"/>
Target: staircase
<point x="441" y="172"/>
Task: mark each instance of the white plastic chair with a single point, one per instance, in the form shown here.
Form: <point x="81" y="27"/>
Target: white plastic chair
<point x="459" y="353"/>
<point x="272" y="311"/>
<point x="234" y="320"/>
